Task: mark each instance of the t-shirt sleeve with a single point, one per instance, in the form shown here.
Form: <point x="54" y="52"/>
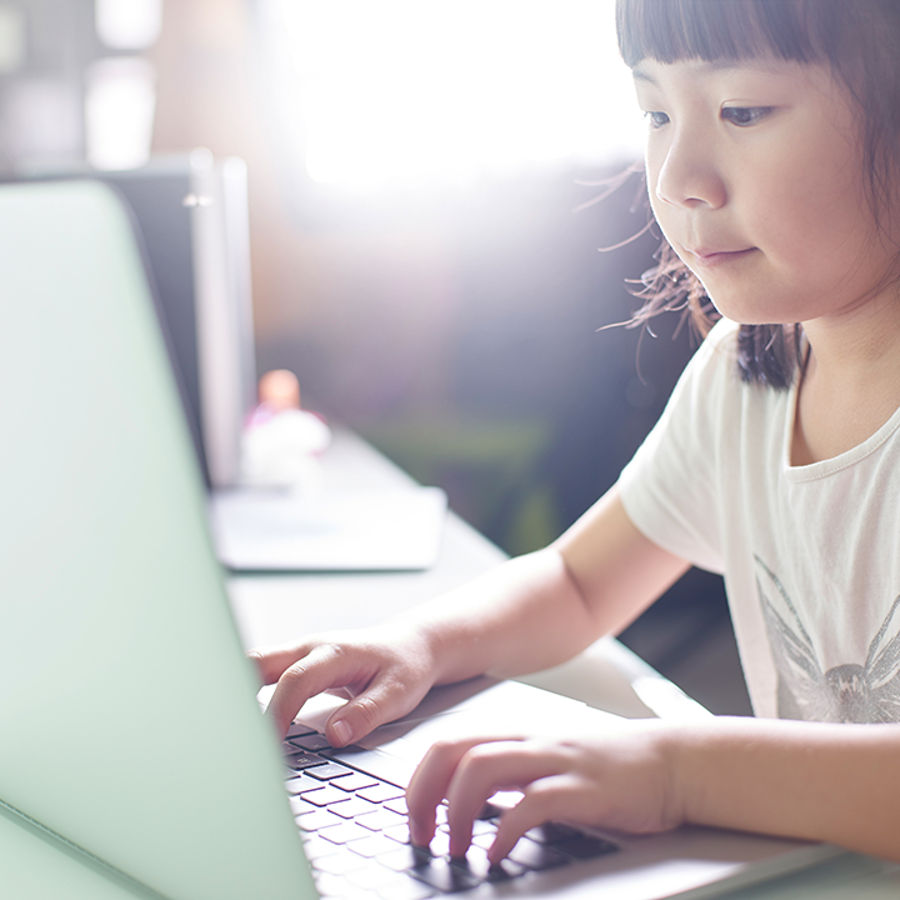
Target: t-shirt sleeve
<point x="669" y="489"/>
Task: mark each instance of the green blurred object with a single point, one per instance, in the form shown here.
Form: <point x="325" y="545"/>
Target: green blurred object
<point x="492" y="471"/>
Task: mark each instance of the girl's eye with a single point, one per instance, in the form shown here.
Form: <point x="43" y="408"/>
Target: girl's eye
<point x="657" y="119"/>
<point x="742" y="116"/>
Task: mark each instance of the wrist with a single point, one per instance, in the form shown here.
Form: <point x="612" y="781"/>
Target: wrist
<point x="450" y="655"/>
<point x="675" y="749"/>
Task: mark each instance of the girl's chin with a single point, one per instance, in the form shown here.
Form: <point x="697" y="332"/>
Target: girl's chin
<point x="748" y="313"/>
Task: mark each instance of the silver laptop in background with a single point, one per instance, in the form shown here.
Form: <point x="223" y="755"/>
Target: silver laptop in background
<point x="131" y="732"/>
<point x="192" y="214"/>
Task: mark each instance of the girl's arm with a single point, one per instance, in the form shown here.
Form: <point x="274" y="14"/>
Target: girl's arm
<point x="817" y="781"/>
<point x="831" y="782"/>
<point x="541" y="609"/>
<point x="528" y="614"/>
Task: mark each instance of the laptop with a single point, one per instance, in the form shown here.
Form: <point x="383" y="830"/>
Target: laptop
<point x="133" y="754"/>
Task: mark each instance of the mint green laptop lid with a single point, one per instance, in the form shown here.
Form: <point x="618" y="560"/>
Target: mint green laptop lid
<point x="129" y="720"/>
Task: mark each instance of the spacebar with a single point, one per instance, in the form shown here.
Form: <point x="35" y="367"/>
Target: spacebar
<point x="372" y="762"/>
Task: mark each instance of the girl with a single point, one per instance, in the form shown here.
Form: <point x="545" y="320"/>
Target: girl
<point x="772" y="153"/>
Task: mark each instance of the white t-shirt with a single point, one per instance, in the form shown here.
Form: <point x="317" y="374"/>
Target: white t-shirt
<point x="810" y="554"/>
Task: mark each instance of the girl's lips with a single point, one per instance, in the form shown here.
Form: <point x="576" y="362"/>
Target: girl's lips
<point x="708" y="258"/>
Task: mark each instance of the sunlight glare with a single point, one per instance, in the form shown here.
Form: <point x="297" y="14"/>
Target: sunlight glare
<point x="405" y="92"/>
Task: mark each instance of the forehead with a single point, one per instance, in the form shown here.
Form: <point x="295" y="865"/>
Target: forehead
<point x="654" y="71"/>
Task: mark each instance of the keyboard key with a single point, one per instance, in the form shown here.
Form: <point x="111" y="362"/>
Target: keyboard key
<point x="398" y="833"/>
<point x="328" y="771"/>
<point x="482" y="826"/>
<point x="398" y="805"/>
<point x="343" y="833"/>
<point x="380" y="819"/>
<point x="477" y="864"/>
<point x="312" y="742"/>
<point x="296" y="730"/>
<point x="300" y="783"/>
<point x="303" y="760"/>
<point x="443" y="877"/>
<point x="316" y="819"/>
<point x="382" y="793"/>
<point x="301" y="806"/>
<point x="338" y="861"/>
<point x="354" y="782"/>
<point x="325" y="796"/>
<point x="485" y="840"/>
<point x="404" y="857"/>
<point x="317" y="850"/>
<point x="373" y="845"/>
<point x="354" y="807"/>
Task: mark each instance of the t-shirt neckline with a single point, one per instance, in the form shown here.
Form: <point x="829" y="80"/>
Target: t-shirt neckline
<point x="825" y="467"/>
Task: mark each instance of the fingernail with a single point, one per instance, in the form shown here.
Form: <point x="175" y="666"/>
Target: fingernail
<point x="342" y="730"/>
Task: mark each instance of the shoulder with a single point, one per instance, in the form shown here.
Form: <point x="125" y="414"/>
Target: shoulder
<point x="712" y="373"/>
<point x="720" y="347"/>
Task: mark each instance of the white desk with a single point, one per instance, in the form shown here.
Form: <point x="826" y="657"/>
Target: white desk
<point x="273" y="609"/>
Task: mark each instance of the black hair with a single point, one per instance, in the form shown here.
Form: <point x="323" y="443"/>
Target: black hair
<point x="858" y="39"/>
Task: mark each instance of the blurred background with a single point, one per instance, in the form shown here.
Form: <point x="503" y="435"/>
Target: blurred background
<point x="430" y="187"/>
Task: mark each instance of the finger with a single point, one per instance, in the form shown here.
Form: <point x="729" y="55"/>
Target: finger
<point x="271" y="662"/>
<point x="429" y="784"/>
<point x="319" y="670"/>
<point x="382" y="701"/>
<point x="544" y="800"/>
<point x="342" y="692"/>
<point x="484" y="770"/>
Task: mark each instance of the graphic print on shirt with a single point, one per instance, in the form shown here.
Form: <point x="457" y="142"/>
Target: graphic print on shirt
<point x="847" y="693"/>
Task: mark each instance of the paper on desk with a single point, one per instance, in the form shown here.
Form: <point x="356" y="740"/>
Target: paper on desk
<point x="371" y="530"/>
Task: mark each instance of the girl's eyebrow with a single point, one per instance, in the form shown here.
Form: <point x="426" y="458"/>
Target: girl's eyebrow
<point x="715" y="65"/>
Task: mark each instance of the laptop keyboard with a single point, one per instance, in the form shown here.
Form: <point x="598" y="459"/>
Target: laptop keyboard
<point x="356" y="837"/>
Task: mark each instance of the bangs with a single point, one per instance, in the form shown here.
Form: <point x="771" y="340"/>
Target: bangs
<point x="673" y="30"/>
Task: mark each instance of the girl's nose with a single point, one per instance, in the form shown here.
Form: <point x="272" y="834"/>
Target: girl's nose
<point x="688" y="175"/>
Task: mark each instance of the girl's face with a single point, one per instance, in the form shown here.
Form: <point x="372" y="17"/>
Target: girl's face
<point x="755" y="173"/>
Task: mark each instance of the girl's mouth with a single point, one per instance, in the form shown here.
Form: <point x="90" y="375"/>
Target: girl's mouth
<point x="709" y="258"/>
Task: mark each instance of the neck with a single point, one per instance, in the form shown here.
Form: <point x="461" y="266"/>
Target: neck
<point x="858" y="347"/>
<point x="851" y="385"/>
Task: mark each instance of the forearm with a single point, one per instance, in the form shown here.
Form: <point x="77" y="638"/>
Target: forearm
<point x="829" y="782"/>
<point x="541" y="609"/>
<point x="525" y="615"/>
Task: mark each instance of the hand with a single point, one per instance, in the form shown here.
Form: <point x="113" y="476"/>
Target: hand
<point x="619" y="781"/>
<point x="384" y="671"/>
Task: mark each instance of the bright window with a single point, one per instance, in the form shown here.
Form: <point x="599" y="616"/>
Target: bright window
<point x="405" y="92"/>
